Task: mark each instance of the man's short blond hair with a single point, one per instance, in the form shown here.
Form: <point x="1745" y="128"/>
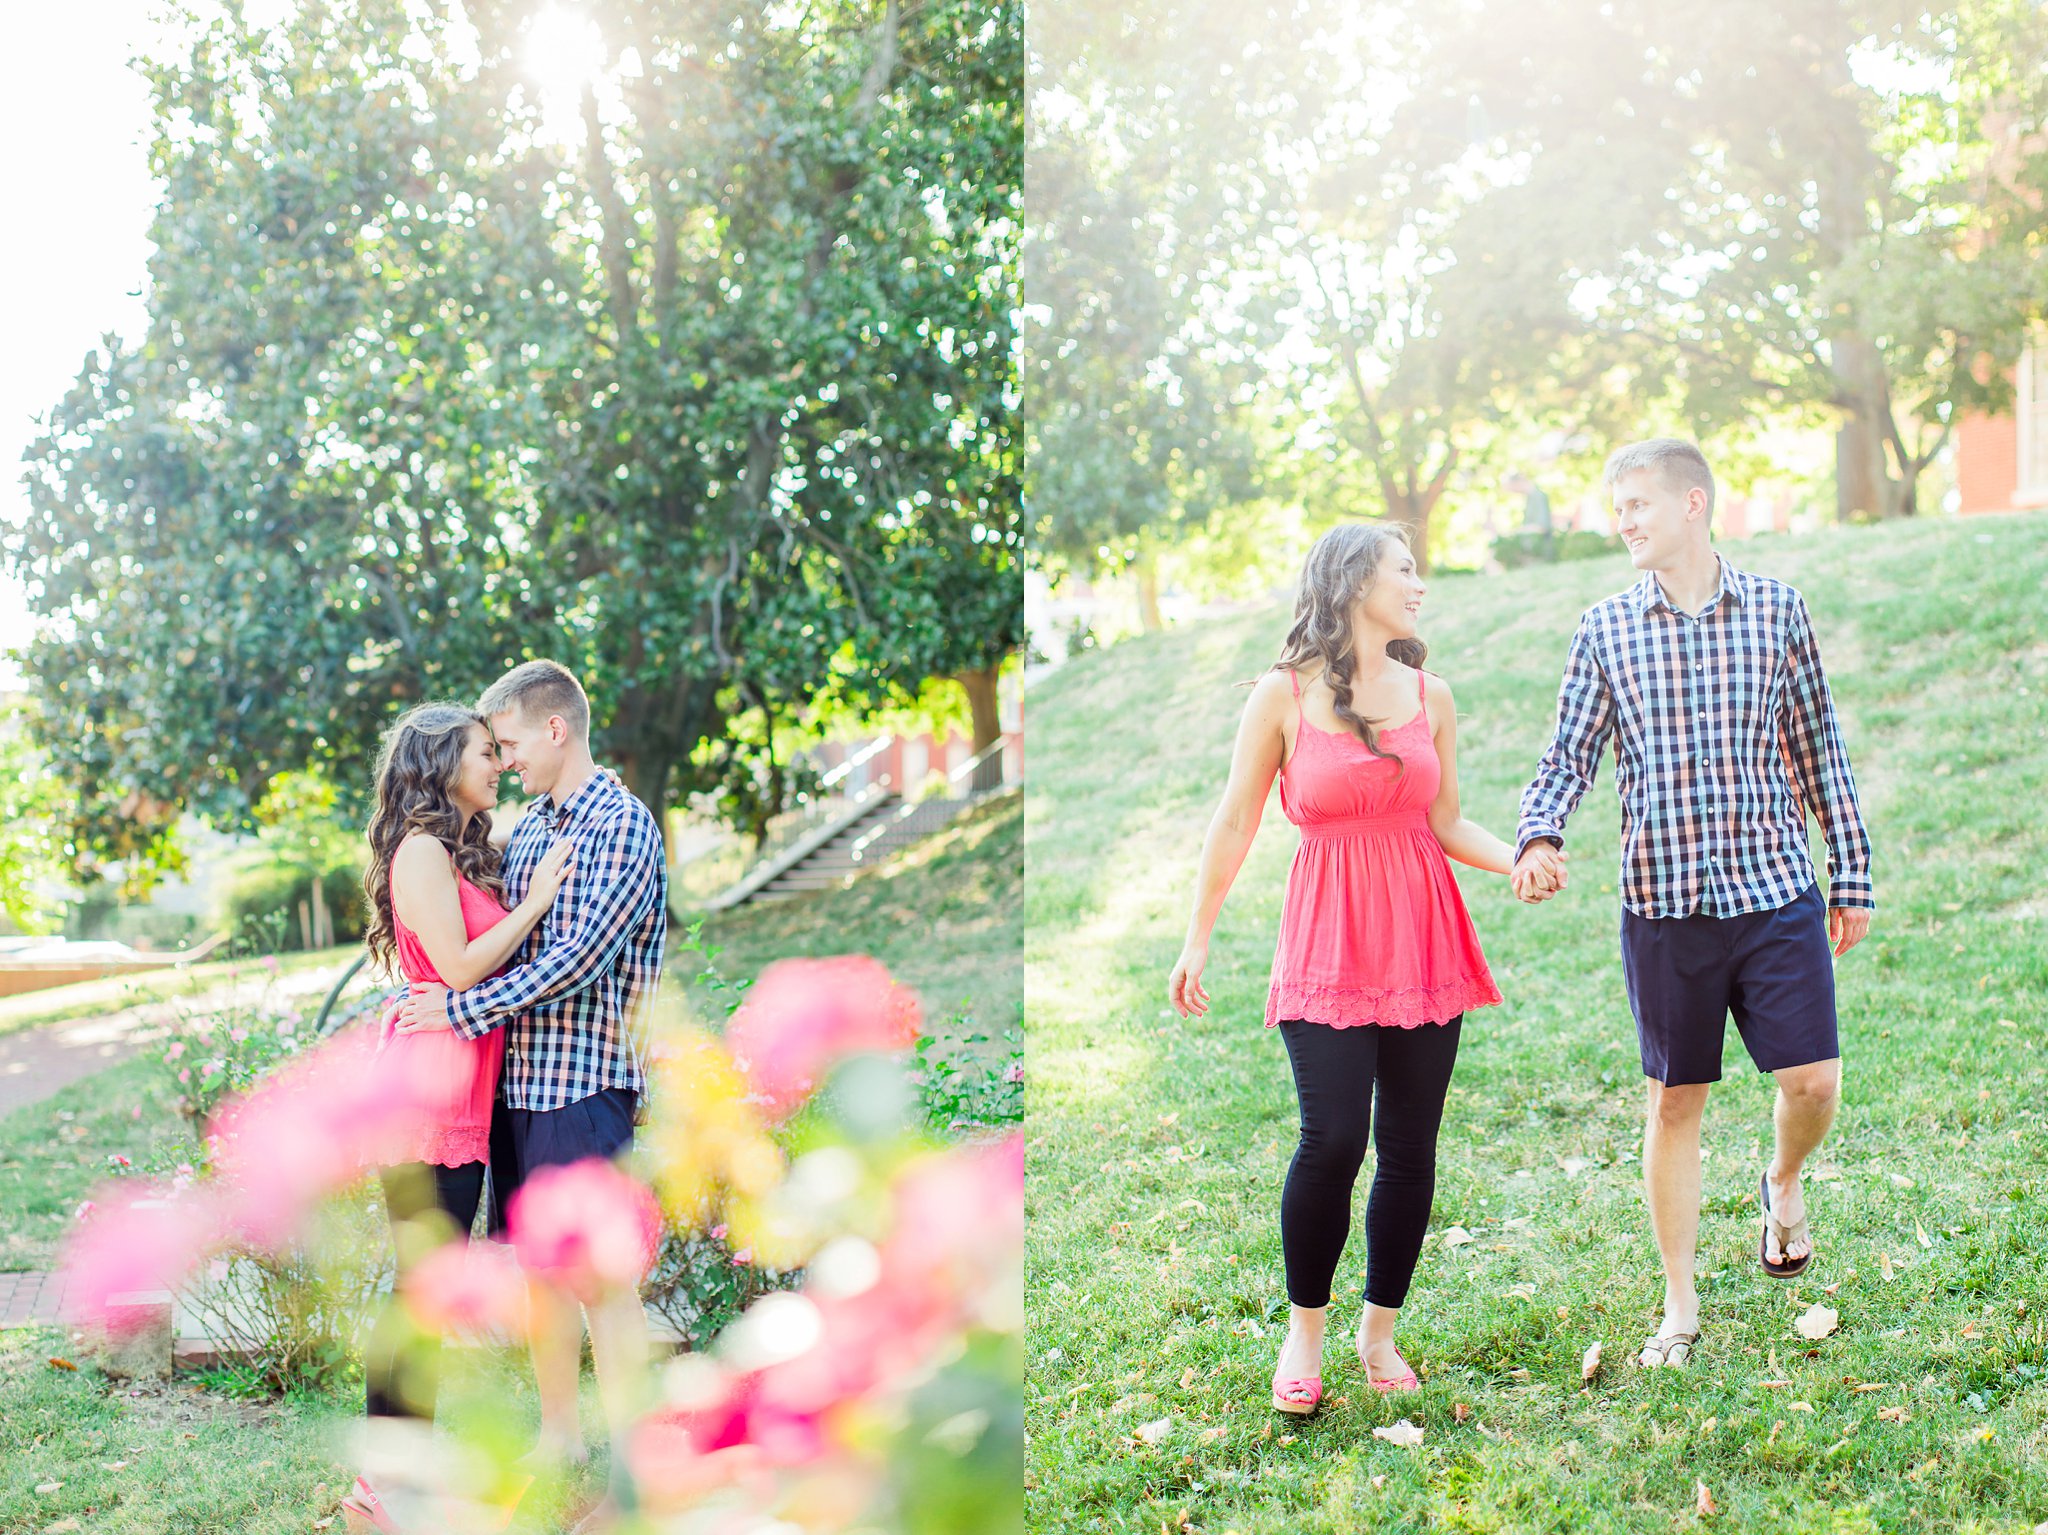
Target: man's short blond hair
<point x="537" y="690"/>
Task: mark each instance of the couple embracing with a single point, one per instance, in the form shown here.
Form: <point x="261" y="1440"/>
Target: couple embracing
<point x="1708" y="682"/>
<point x="522" y="1037"/>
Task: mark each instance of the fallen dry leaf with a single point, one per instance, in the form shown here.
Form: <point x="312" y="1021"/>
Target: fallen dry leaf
<point x="1590" y="1365"/>
<point x="1817" y="1321"/>
<point x="1800" y="1407"/>
<point x="1896" y="1414"/>
<point x="1457" y="1237"/>
<point x="1379" y="1481"/>
<point x="1405" y="1434"/>
<point x="1460" y="1412"/>
<point x="1703" y="1501"/>
<point x="1153" y="1432"/>
<point x="1884" y="1264"/>
<point x="62" y="1527"/>
<point x="1873" y="1385"/>
<point x="44" y="1489"/>
<point x="62" y="1364"/>
<point x="113" y="1465"/>
<point x="1187" y="1377"/>
<point x="1921" y="1231"/>
<point x="1972" y="1330"/>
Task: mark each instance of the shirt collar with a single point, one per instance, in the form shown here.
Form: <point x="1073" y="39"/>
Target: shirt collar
<point x="1732" y="586"/>
<point x="577" y="804"/>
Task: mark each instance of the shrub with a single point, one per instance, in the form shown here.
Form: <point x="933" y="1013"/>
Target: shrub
<point x="273" y="893"/>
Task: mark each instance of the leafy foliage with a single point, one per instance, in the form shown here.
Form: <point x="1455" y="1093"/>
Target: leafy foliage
<point x="714" y="404"/>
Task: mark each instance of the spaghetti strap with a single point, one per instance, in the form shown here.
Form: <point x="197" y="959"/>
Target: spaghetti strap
<point x="1420" y="695"/>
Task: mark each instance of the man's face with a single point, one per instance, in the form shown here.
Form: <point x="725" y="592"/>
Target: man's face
<point x="532" y="748"/>
<point x="1658" y="521"/>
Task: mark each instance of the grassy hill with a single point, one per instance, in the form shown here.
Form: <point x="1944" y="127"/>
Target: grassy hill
<point x="945" y="916"/>
<point x="1158" y="1146"/>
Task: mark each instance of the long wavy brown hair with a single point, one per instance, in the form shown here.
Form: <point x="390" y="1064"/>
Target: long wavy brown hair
<point x="1339" y="570"/>
<point x="418" y="765"/>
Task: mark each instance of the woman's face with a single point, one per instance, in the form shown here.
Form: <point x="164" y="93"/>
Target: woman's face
<point x="476" y="781"/>
<point x="1394" y="600"/>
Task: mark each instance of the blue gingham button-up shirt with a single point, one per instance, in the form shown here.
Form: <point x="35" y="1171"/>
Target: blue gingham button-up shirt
<point x="574" y="1007"/>
<point x="1724" y="734"/>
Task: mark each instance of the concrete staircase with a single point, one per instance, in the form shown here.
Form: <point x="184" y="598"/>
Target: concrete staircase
<point x="889" y="824"/>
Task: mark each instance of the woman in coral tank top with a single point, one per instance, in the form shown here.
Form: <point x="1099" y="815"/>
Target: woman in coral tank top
<point x="1377" y="962"/>
<point x="437" y="914"/>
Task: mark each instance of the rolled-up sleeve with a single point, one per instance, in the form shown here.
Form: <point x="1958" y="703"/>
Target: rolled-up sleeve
<point x="1585" y="719"/>
<point x="1819" y="762"/>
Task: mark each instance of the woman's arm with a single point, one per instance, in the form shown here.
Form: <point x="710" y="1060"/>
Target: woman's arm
<point x="1466" y="841"/>
<point x="1254" y="761"/>
<point x="427" y="900"/>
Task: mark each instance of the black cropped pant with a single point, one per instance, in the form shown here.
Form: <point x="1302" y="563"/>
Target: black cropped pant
<point x="401" y="1366"/>
<point x="1367" y="1083"/>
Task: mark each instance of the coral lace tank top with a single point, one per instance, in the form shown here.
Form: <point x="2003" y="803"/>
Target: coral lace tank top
<point x="1373" y="929"/>
<point x="453" y="1080"/>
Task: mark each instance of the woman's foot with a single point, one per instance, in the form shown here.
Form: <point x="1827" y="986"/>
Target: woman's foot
<point x="1301" y="1354"/>
<point x="1385" y="1369"/>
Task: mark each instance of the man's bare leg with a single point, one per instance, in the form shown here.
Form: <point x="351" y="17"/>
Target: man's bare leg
<point x="1671" y="1179"/>
<point x="618" y="1353"/>
<point x="555" y="1335"/>
<point x="1805" y="1108"/>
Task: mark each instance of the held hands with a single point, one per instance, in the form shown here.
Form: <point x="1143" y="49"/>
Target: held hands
<point x="425" y="1011"/>
<point x="1847" y="927"/>
<point x="1184" y="987"/>
<point x="1539" y="873"/>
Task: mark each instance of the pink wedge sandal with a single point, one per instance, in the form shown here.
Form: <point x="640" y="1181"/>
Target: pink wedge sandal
<point x="1300" y="1398"/>
<point x="364" y="1512"/>
<point x="1405" y="1381"/>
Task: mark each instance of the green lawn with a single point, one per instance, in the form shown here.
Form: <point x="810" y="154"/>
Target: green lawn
<point x="1158" y="1146"/>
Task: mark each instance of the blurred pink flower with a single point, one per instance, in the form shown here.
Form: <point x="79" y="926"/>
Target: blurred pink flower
<point x="185" y="1075"/>
<point x="1014" y="1072"/>
<point x="176" y="1049"/>
<point x="270" y="963"/>
<point x="802" y="1015"/>
<point x="589" y="1226"/>
<point x="238" y="1035"/>
<point x="311" y="1128"/>
<point x="743" y="1257"/>
<point x="117" y="1160"/>
<point x="474" y="1288"/>
<point x="135" y="1240"/>
<point x="718" y="1232"/>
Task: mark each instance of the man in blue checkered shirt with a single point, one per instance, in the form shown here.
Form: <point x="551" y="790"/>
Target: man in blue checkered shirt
<point x="573" y="1009"/>
<point x="1708" y="682"/>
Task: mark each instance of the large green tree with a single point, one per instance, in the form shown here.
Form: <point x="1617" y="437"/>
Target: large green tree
<point x="682" y="397"/>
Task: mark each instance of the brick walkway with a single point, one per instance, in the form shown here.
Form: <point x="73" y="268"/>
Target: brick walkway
<point x="29" y="1298"/>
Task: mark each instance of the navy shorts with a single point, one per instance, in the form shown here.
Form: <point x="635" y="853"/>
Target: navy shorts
<point x="525" y="1140"/>
<point x="1774" y="970"/>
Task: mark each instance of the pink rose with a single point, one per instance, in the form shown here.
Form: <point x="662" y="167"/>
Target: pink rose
<point x="589" y="1227"/>
<point x="804" y="1015"/>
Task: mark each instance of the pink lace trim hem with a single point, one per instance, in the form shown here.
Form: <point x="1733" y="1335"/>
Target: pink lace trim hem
<point x="1350" y="1007"/>
<point x="447" y="1147"/>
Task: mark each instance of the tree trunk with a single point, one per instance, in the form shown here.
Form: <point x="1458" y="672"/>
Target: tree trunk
<point x="1412" y="514"/>
<point x="985" y="703"/>
<point x="1145" y="571"/>
<point x="646" y="775"/>
<point x="1864" y="487"/>
<point x="323" y="924"/>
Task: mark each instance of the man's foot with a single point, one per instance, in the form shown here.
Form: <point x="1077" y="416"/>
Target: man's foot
<point x="1787" y="1243"/>
<point x="555" y="1450"/>
<point x="1672" y="1346"/>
